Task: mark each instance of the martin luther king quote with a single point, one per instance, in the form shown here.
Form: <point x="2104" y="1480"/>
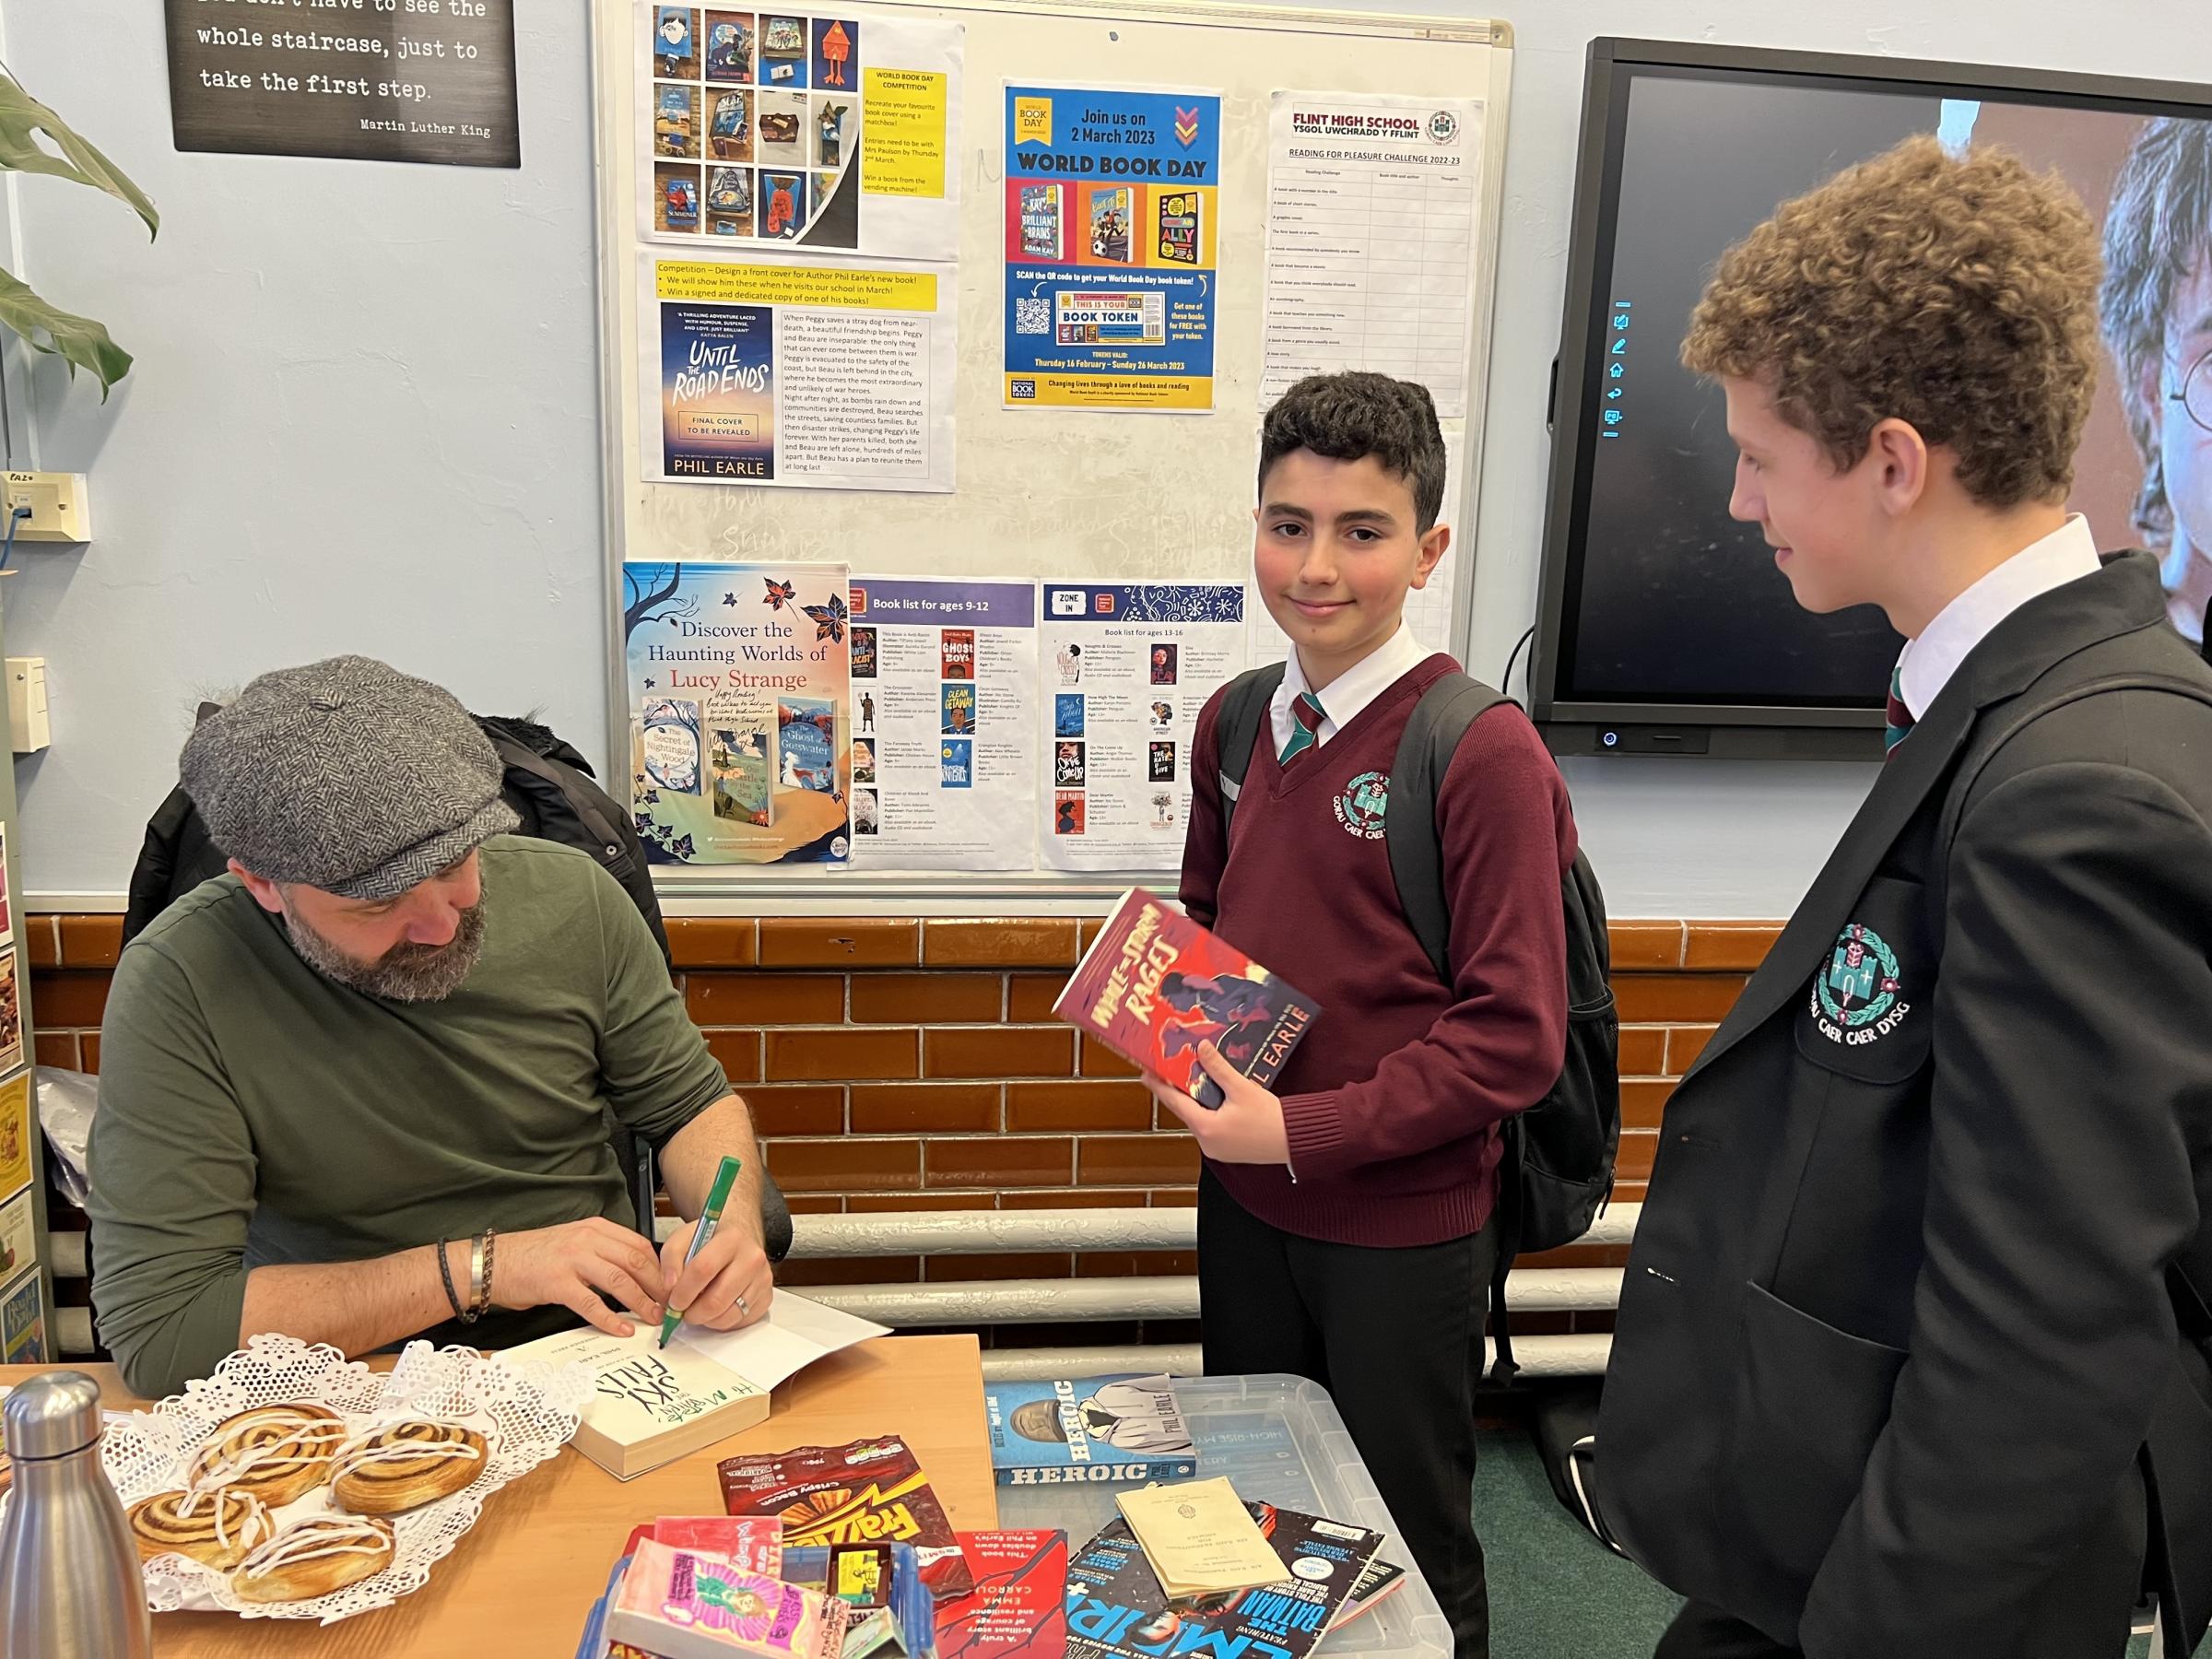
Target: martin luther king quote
<point x="380" y="80"/>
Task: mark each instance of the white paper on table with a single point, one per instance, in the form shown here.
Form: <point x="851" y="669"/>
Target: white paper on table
<point x="1373" y="205"/>
<point x="794" y="1334"/>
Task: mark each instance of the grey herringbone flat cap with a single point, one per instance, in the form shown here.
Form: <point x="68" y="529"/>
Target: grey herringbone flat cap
<point x="347" y="775"/>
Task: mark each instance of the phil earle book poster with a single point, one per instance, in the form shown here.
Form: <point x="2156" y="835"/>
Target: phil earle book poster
<point x="740" y="740"/>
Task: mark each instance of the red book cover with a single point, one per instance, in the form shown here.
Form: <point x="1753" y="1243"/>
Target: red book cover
<point x="1155" y="985"/>
<point x="872" y="1492"/>
<point x="1018" y="1608"/>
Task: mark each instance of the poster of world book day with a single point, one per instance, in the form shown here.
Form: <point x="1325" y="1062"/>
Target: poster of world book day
<point x="827" y="377"/>
<point x="1111" y="224"/>
<point x="740" y="731"/>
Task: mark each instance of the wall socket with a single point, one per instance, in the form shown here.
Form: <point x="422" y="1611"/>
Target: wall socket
<point x="60" y="506"/>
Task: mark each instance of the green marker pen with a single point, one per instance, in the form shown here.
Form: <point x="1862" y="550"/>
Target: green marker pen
<point x="710" y="1219"/>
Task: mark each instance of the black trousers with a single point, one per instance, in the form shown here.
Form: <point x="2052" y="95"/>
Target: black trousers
<point x="1395" y="1336"/>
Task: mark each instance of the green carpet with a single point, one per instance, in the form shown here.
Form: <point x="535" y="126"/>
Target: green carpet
<point x="1556" y="1591"/>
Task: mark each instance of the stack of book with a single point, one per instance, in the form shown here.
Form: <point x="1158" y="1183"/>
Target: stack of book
<point x="712" y="1587"/>
<point x="1323" y="1575"/>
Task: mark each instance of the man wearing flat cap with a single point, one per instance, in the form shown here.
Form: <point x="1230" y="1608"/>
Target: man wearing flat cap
<point x="358" y="1089"/>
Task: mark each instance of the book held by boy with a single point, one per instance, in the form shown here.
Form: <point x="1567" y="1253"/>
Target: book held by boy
<point x="1096" y="1430"/>
<point x="1155" y="984"/>
<point x="652" y="1406"/>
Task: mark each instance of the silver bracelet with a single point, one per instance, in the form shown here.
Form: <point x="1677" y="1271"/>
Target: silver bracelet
<point x="478" y="1289"/>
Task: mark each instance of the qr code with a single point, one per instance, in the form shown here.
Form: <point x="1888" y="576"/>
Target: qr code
<point x="1032" y="316"/>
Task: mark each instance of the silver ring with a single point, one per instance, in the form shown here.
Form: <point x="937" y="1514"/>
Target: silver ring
<point x="741" y="1307"/>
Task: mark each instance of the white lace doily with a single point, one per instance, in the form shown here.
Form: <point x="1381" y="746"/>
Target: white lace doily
<point x="527" y="1413"/>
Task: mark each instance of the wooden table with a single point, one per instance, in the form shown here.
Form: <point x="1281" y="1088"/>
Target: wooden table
<point x="522" y="1580"/>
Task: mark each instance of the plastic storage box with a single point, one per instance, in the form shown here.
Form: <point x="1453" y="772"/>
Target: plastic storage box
<point x="1280" y="1440"/>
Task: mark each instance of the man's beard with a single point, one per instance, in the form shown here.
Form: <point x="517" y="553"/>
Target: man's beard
<point x="407" y="973"/>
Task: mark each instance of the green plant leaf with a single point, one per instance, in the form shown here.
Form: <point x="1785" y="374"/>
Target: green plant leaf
<point x="21" y="115"/>
<point x="80" y="340"/>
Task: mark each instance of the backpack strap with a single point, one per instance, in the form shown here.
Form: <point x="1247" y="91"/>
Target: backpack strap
<point x="1425" y="753"/>
<point x="1237" y="728"/>
<point x="1416" y="775"/>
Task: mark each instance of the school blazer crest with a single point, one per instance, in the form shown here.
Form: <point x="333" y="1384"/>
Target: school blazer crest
<point x="1910" y="1361"/>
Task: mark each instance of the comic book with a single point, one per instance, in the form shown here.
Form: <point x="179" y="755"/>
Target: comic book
<point x="1116" y="1609"/>
<point x="870" y="1492"/>
<point x="1098" y="1429"/>
<point x="1155" y="985"/>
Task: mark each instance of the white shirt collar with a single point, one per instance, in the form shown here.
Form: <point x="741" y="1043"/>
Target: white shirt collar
<point x="2065" y="555"/>
<point x="1350" y="691"/>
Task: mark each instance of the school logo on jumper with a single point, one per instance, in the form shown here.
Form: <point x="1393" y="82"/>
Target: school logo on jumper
<point x="1859" y="996"/>
<point x="1361" y="805"/>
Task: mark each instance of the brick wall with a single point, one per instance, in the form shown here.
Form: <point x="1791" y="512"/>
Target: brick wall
<point x="905" y="1064"/>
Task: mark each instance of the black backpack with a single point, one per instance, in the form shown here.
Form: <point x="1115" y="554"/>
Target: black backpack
<point x="1557" y="1171"/>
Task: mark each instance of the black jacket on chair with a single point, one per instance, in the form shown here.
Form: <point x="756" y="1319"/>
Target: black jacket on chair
<point x="1911" y="1359"/>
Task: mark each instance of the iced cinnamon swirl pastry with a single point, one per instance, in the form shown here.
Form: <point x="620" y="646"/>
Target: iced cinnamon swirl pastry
<point x="218" y="1526"/>
<point x="405" y="1465"/>
<point x="274" y="1452"/>
<point x="314" y="1557"/>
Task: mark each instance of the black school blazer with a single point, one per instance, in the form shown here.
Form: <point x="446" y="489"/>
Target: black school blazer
<point x="1902" y="1366"/>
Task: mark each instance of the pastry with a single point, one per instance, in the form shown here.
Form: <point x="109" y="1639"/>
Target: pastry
<point x="274" y="1452"/>
<point x="314" y="1557"/>
<point x="217" y="1526"/>
<point x="405" y="1465"/>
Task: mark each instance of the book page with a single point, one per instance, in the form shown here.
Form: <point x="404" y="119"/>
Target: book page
<point x="794" y="1334"/>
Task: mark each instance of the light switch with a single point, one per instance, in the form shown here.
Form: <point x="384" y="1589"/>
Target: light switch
<point x="29" y="727"/>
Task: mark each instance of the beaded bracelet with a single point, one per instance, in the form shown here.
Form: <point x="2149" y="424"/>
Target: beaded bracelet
<point x="445" y="1272"/>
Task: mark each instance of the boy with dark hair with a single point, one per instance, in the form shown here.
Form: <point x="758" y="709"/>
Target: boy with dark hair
<point x="1343" y="1223"/>
<point x="1909" y="1359"/>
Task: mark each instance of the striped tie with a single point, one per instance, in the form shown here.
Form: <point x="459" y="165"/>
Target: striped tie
<point x="1898" y="716"/>
<point x="1308" y="715"/>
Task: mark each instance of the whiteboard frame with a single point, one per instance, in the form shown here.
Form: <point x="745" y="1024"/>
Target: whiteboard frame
<point x="725" y="889"/>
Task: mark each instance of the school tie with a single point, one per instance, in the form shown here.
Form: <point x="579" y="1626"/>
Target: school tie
<point x="1898" y="716"/>
<point x="1306" y="715"/>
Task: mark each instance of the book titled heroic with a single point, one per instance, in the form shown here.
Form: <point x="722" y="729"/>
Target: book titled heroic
<point x="1155" y="984"/>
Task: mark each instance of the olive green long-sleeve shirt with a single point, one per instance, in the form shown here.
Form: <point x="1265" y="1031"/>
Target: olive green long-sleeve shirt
<point x="253" y="1111"/>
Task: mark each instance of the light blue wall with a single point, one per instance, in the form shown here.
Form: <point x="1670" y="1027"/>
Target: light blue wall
<point x="365" y="418"/>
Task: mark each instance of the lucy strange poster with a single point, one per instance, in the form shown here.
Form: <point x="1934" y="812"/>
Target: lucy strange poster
<point x="740" y="732"/>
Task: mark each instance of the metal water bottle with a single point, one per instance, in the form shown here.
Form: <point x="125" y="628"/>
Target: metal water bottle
<point x="70" y="1586"/>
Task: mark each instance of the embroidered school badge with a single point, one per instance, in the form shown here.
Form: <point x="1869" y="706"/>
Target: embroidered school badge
<point x="1859" y="997"/>
<point x="1361" y="805"/>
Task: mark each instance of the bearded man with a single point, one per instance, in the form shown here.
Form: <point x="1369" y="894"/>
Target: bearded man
<point x="357" y="1089"/>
